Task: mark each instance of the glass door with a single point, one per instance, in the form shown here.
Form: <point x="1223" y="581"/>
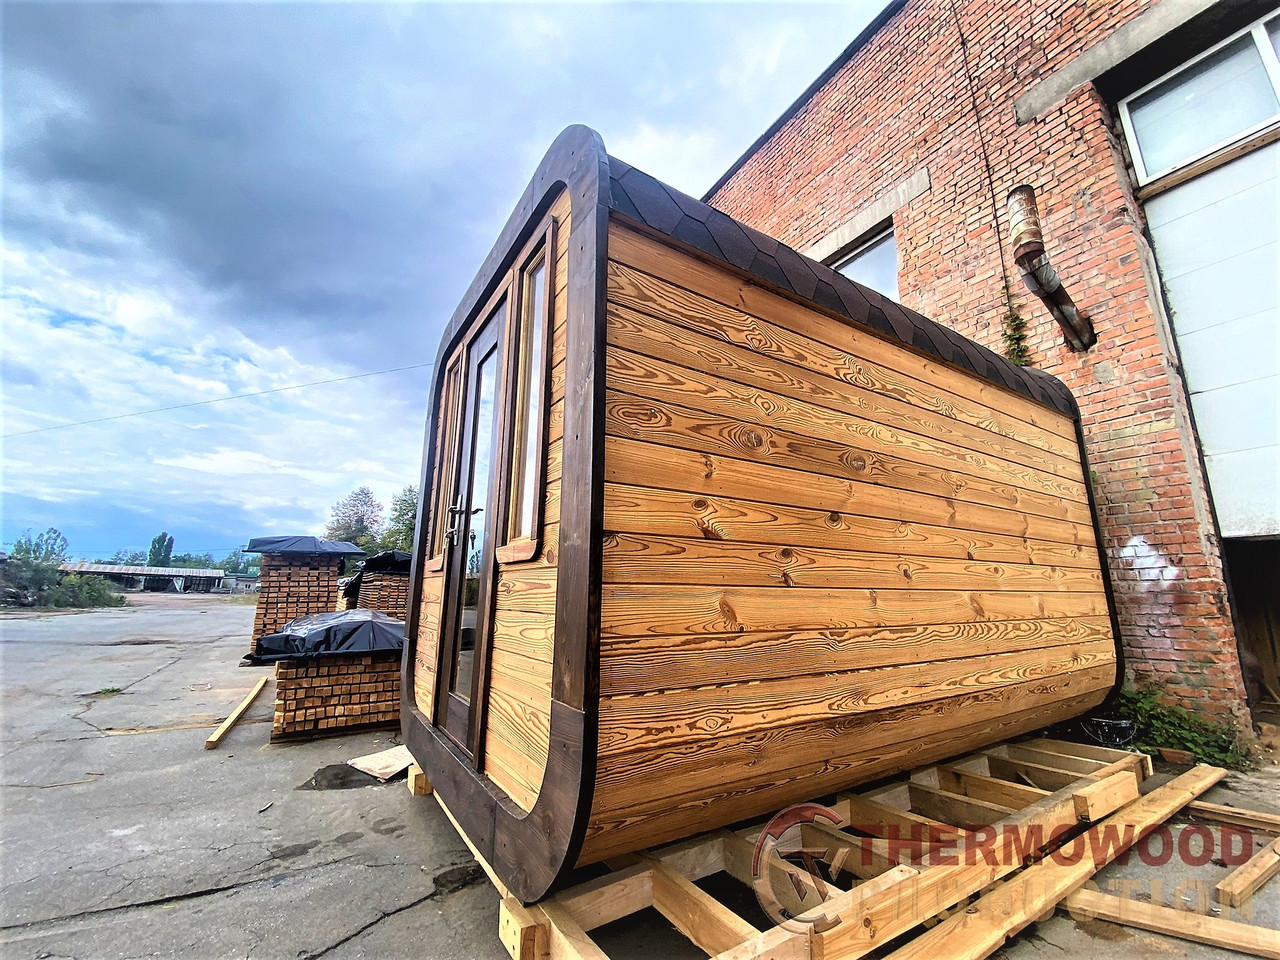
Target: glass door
<point x="469" y="534"/>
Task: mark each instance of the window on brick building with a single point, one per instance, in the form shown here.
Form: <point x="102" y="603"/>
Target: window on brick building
<point x="1227" y="94"/>
<point x="874" y="262"/>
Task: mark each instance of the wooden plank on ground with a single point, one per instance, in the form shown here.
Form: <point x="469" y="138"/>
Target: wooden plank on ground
<point x="1105" y="754"/>
<point x="985" y="926"/>
<point x="871" y="921"/>
<point x="1243" y="882"/>
<point x="991" y="789"/>
<point x="1215" y="931"/>
<point x="384" y="764"/>
<point x="1252" y="819"/>
<point x="215" y="738"/>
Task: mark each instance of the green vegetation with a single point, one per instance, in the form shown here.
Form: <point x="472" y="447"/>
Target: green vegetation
<point x="1161" y="724"/>
<point x="161" y="550"/>
<point x="357" y="518"/>
<point x="109" y="691"/>
<point x="31" y="577"/>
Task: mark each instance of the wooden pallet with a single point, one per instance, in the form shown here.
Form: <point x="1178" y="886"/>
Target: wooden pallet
<point x="926" y="857"/>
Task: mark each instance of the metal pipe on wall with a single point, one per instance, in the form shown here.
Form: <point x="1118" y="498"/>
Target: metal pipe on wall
<point x="1027" y="239"/>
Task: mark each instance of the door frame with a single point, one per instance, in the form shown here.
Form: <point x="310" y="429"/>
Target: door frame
<point x="450" y="713"/>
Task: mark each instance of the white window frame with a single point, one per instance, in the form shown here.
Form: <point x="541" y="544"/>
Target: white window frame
<point x="869" y="240"/>
<point x="1258" y="30"/>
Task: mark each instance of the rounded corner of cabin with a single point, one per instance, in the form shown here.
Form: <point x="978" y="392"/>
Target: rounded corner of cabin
<point x="519" y="364"/>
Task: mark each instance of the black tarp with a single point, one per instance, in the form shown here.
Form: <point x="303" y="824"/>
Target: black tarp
<point x="389" y="561"/>
<point x="307" y="545"/>
<point x="330" y="634"/>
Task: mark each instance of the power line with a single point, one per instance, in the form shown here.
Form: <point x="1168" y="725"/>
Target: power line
<point x="203" y="403"/>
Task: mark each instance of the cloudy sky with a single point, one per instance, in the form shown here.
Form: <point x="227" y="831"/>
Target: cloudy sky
<point x="212" y="199"/>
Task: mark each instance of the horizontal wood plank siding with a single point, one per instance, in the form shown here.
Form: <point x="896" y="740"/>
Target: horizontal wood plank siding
<point x="827" y="557"/>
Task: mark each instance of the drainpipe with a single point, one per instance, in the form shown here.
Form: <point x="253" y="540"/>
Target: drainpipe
<point x="1027" y="240"/>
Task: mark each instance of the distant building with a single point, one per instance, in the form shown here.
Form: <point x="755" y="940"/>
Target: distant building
<point x="177" y="579"/>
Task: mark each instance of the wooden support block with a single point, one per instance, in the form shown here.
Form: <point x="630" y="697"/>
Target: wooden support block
<point x="955" y="808"/>
<point x="1215" y="931"/>
<point x="990" y="789"/>
<point x="1097" y="799"/>
<point x="872" y="921"/>
<point x="1218" y="813"/>
<point x="215" y="738"/>
<point x="524" y="935"/>
<point x="985" y="926"/>
<point x="1243" y="882"/>
<point x="702" y="918"/>
<point x="697" y="858"/>
<point x="419" y="785"/>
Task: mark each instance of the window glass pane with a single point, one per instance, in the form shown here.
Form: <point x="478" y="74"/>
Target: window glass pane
<point x="1273" y="31"/>
<point x="1208" y="104"/>
<point x="530" y="402"/>
<point x="875" y="266"/>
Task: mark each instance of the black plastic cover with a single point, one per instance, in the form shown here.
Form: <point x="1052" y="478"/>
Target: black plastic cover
<point x="330" y="634"/>
<point x="299" y="545"/>
<point x="390" y="561"/>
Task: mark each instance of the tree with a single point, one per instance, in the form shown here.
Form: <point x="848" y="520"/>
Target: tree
<point x="202" y="561"/>
<point x="240" y="562"/>
<point x="32" y="576"/>
<point x="403" y="520"/>
<point x="356" y="518"/>
<point x="128" y="558"/>
<point x="161" y="550"/>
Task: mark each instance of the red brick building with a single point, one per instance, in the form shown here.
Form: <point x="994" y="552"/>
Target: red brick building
<point x="1148" y="132"/>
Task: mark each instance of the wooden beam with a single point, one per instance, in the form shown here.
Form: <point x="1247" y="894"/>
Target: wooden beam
<point x="611" y="897"/>
<point x="1253" y="820"/>
<point x="697" y="858"/>
<point x="871" y="921"/>
<point x="991" y="789"/>
<point x="1080" y="766"/>
<point x="776" y="943"/>
<point x="1033" y="774"/>
<point x="955" y="808"/>
<point x="1105" y="754"/>
<point x="216" y="737"/>
<point x="566" y="940"/>
<point x="985" y="926"/>
<point x="879" y="819"/>
<point x="1243" y="882"/>
<point x="702" y="918"/>
<point x="864" y="857"/>
<point x="1215" y="931"/>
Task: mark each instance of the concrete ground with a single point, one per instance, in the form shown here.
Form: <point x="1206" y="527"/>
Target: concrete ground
<point x="123" y="837"/>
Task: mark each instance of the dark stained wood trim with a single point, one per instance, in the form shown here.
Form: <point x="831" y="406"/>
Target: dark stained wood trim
<point x="541" y="249"/>
<point x="532" y="851"/>
<point x="1102" y="560"/>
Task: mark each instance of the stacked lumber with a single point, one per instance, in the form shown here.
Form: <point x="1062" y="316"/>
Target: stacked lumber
<point x="385" y="591"/>
<point x="292" y="586"/>
<point x="336" y="693"/>
<point x="932" y="873"/>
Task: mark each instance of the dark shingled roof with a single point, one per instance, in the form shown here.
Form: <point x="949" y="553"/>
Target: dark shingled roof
<point x="640" y="197"/>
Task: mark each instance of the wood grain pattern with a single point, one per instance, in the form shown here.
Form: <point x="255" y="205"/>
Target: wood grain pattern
<point x="827" y="559"/>
<point x="644" y="664"/>
<point x="888" y="449"/>
<point x="928" y="382"/>
<point x="693" y="712"/>
<point x="642" y="610"/>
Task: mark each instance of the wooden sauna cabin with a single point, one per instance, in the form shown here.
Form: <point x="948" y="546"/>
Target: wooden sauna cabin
<point x="707" y="529"/>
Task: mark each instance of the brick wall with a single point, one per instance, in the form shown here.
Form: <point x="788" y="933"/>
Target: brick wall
<point x="903" y="102"/>
<point x="385" y="592"/>
<point x="335" y="693"/>
<point x="294" y="585"/>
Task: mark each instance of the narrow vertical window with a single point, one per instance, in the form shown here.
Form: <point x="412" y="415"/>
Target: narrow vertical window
<point x="446" y="456"/>
<point x="530" y="403"/>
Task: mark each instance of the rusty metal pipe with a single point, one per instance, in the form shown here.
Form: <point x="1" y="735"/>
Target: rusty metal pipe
<point x="1027" y="240"/>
